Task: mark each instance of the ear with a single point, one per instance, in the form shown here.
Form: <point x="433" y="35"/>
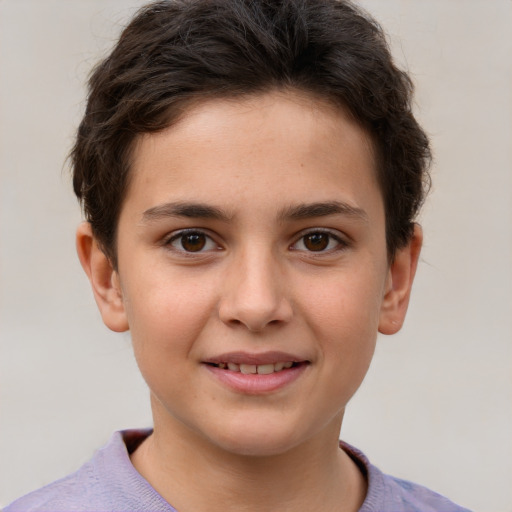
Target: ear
<point x="104" y="279"/>
<point x="399" y="283"/>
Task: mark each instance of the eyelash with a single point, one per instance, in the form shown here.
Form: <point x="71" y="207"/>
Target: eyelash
<point x="178" y="237"/>
<point x="341" y="243"/>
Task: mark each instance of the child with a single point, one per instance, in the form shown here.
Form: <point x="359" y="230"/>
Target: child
<point x="250" y="172"/>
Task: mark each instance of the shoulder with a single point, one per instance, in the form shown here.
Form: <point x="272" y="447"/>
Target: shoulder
<point x="389" y="494"/>
<point x="107" y="482"/>
<point x="402" y="495"/>
<point x="60" y="495"/>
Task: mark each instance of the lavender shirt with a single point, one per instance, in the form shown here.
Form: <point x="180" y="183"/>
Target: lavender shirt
<point x="109" y="482"/>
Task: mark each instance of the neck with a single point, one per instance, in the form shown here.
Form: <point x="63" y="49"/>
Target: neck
<point x="192" y="475"/>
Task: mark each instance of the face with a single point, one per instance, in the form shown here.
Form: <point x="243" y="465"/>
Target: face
<point x="252" y="270"/>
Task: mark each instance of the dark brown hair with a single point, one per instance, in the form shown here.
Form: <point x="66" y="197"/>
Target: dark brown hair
<point x="174" y="52"/>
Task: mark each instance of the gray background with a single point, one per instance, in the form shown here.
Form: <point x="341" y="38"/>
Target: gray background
<point x="436" y="406"/>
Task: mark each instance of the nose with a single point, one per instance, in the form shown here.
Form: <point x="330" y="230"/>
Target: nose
<point x="254" y="293"/>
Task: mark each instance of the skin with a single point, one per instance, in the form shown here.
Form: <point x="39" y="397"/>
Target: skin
<point x="255" y="166"/>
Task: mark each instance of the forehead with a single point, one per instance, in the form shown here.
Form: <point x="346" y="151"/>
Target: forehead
<point x="288" y="142"/>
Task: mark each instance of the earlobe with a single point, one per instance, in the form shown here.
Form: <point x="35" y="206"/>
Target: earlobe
<point x="103" y="278"/>
<point x="399" y="283"/>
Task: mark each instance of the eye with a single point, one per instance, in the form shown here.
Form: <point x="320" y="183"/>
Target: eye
<point x="318" y="241"/>
<point x="191" y="241"/>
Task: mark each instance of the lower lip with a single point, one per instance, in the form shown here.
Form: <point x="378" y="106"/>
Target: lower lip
<point x="253" y="383"/>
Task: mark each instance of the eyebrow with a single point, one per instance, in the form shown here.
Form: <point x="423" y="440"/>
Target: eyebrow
<point x="296" y="212"/>
<point x="323" y="209"/>
<point x="181" y="209"/>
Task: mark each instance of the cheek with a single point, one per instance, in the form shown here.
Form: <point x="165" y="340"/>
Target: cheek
<point x="347" y="303"/>
<point x="166" y="318"/>
<point x="343" y="315"/>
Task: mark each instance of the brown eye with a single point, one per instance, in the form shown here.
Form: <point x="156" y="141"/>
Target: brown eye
<point x="323" y="242"/>
<point x="193" y="242"/>
<point x="316" y="241"/>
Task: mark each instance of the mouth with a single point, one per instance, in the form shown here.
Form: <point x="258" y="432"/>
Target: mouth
<point x="260" y="369"/>
<point x="251" y="373"/>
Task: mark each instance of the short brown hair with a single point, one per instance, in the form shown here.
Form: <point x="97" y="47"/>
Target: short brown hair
<point x="176" y="51"/>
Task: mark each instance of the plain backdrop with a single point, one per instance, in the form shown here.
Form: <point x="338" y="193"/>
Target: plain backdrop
<point x="436" y="407"/>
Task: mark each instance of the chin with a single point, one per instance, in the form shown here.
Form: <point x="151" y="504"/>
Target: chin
<point x="257" y="439"/>
<point x="264" y="446"/>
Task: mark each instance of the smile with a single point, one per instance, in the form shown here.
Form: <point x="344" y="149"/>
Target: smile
<point x="255" y="374"/>
<point x="260" y="369"/>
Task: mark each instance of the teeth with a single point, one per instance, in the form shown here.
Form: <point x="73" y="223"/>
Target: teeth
<point x="265" y="369"/>
<point x="248" y="368"/>
<point x="260" y="369"/>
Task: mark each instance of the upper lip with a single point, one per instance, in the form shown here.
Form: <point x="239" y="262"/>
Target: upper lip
<point x="252" y="358"/>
